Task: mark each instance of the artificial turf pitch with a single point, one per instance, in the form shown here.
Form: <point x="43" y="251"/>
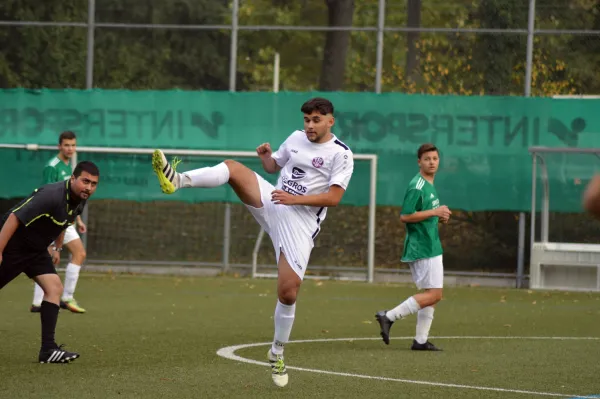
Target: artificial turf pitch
<point x="158" y="337"/>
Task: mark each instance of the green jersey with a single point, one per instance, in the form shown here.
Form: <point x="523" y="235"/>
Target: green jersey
<point x="56" y="170"/>
<point x="422" y="238"/>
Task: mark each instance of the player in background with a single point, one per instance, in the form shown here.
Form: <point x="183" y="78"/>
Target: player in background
<point x="26" y="232"/>
<point x="591" y="197"/>
<point x="315" y="170"/>
<point x="421" y="212"/>
<point x="59" y="169"/>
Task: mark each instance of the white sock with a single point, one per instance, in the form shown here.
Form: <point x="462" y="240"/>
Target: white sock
<point x="424" y="320"/>
<point x="213" y="176"/>
<point x="38" y="295"/>
<point x="284" y="319"/>
<point x="406" y="308"/>
<point x="71" y="277"/>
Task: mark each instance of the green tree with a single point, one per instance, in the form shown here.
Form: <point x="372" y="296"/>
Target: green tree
<point x="163" y="58"/>
<point x="36" y="57"/>
<point x="433" y="63"/>
<point x="55" y="57"/>
<point x="336" y="44"/>
<point x="496" y="55"/>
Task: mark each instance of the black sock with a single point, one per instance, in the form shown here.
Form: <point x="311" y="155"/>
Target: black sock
<point x="49" y="316"/>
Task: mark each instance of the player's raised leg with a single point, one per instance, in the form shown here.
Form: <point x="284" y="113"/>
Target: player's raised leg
<point x="241" y="178"/>
<point x="288" y="284"/>
<point x="50" y="352"/>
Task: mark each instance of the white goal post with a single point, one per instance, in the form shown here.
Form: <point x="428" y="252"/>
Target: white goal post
<point x="371" y="158"/>
<point x="559" y="265"/>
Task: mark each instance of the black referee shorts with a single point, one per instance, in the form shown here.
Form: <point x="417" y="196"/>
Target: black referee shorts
<point x="33" y="264"/>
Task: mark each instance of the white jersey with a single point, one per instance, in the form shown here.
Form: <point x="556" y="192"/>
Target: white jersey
<point x="309" y="168"/>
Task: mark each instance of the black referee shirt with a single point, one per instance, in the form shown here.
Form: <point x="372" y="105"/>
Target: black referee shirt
<point x="44" y="215"/>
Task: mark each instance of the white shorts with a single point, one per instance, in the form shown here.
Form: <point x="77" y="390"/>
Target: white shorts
<point x="428" y="273"/>
<point x="290" y="230"/>
<point x="70" y="234"/>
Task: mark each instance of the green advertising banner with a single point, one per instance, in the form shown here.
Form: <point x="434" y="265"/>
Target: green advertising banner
<point x="483" y="140"/>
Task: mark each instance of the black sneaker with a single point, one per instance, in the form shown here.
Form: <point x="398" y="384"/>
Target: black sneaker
<point x="57" y="355"/>
<point x="35" y="309"/>
<point x="385" y="325"/>
<point x="427" y="346"/>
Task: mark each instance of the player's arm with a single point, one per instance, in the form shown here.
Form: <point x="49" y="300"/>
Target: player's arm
<point x="58" y="243"/>
<point x="329" y="199"/>
<point x="591" y="197"/>
<point x="272" y="162"/>
<point x="418" y="216"/>
<point x="442" y="212"/>
<point x="270" y="165"/>
<point x="412" y="205"/>
<point x="8" y="230"/>
<point x="57" y="248"/>
<point x="81" y="226"/>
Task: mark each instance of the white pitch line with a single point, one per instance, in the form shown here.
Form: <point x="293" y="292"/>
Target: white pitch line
<point x="229" y="353"/>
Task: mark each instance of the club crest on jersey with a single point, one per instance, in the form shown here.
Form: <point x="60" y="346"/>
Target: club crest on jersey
<point x="318" y="162"/>
<point x="297" y="173"/>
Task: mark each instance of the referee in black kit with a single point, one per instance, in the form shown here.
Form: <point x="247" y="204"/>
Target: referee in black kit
<point x="28" y="230"/>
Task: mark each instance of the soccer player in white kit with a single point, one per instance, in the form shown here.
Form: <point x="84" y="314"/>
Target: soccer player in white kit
<point x="315" y="170"/>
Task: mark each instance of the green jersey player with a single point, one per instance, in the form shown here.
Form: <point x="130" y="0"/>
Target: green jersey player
<point x="59" y="169"/>
<point x="421" y="212"/>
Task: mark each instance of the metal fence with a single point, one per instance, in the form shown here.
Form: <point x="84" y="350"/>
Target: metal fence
<point x="377" y="38"/>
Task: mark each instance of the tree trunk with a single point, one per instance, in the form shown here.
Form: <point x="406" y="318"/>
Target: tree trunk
<point x="336" y="45"/>
<point x="495" y="55"/>
<point x="413" y="20"/>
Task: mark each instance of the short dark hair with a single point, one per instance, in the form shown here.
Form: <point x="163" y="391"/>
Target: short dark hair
<point x="427" y="147"/>
<point x="319" y="104"/>
<point x="86" y="166"/>
<point x="66" y="135"/>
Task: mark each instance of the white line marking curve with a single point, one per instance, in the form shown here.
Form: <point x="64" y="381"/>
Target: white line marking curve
<point x="229" y="353"/>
